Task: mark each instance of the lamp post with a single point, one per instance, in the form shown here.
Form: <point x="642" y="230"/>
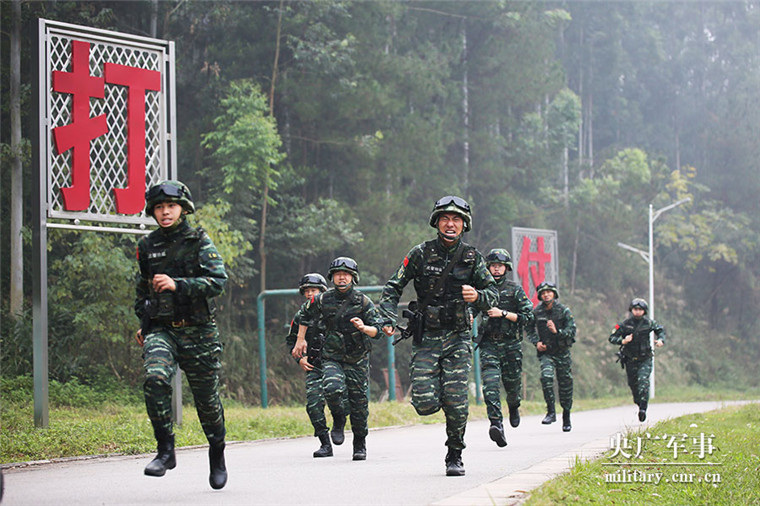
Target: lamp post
<point x="648" y="257"/>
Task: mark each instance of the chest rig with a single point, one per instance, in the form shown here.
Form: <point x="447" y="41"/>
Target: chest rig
<point x="447" y="308"/>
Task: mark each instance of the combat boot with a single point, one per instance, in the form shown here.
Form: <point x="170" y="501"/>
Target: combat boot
<point x="566" y="421"/>
<point x="218" y="476"/>
<point x="339" y="423"/>
<point x="514" y="416"/>
<point x="454" y="465"/>
<point x="551" y="415"/>
<point x="164" y="459"/>
<point x="643" y="411"/>
<point x="496" y="431"/>
<point x="360" y="448"/>
<point x="326" y="449"/>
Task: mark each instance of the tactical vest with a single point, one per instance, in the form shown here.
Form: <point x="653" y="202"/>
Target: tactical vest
<point x="499" y="329"/>
<point x="640" y="347"/>
<point x="343" y="341"/>
<point x="447" y="309"/>
<point x="555" y="343"/>
<point x="177" y="261"/>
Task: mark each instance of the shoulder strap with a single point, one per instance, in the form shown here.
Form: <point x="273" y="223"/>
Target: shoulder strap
<point x="457" y="256"/>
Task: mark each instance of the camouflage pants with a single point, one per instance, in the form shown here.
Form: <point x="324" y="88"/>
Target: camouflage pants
<point x="315" y="402"/>
<point x="500" y="363"/>
<point x="439" y="371"/>
<point x="561" y="365"/>
<point x="342" y="377"/>
<point x="197" y="351"/>
<point x="638" y="372"/>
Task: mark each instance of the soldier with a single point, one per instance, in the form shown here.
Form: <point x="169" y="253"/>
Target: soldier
<point x="180" y="273"/>
<point x="553" y="333"/>
<point x="636" y="355"/>
<point x="448" y="275"/>
<point x="310" y="285"/>
<point x="501" y="345"/>
<point x="342" y="311"/>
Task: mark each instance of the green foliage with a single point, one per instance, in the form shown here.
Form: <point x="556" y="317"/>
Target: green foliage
<point x="230" y="243"/>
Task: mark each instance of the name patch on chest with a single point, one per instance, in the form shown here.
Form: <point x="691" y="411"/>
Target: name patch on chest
<point x="156" y="254"/>
<point x="433" y="269"/>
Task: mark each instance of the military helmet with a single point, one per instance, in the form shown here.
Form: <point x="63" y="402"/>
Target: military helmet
<point x="452" y="204"/>
<point x="499" y="256"/>
<point x="639" y="303"/>
<point x="547" y="285"/>
<point x="169" y="191"/>
<point x="312" y="280"/>
<point x="347" y="264"/>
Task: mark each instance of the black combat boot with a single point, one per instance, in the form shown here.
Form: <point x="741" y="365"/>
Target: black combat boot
<point x="454" y="465"/>
<point x="496" y="431"/>
<point x="165" y="458"/>
<point x="566" y="421"/>
<point x="551" y="415"/>
<point x="514" y="416"/>
<point x="643" y="411"/>
<point x="326" y="449"/>
<point x="218" y="476"/>
<point x="339" y="423"/>
<point x="360" y="448"/>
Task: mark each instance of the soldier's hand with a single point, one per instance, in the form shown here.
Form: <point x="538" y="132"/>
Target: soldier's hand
<point x="388" y="329"/>
<point x="299" y="350"/>
<point x="163" y="282"/>
<point x="305" y="365"/>
<point x="627" y="339"/>
<point x="358" y="323"/>
<point x="139" y="337"/>
<point x="469" y="294"/>
<point x="551" y="326"/>
<point x="541" y="347"/>
<point x="659" y="343"/>
<point x="494" y="312"/>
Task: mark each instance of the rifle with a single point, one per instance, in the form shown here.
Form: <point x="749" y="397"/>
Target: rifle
<point x="414" y="325"/>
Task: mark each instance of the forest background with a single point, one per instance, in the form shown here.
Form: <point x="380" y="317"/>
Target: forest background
<point x="309" y="130"/>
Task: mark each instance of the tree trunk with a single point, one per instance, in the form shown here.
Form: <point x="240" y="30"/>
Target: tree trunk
<point x="17" y="173"/>
<point x="265" y="199"/>
<point x="465" y="111"/>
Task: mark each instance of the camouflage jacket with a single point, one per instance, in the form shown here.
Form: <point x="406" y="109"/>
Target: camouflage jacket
<point x="640" y="328"/>
<point x="424" y="264"/>
<point x="512" y="298"/>
<point x="343" y="342"/>
<point x="190" y="258"/>
<point x="563" y="320"/>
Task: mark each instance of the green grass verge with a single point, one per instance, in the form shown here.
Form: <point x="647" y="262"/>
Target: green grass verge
<point x="734" y="434"/>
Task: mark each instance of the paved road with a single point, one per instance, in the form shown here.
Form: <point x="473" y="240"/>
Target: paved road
<point x="404" y="467"/>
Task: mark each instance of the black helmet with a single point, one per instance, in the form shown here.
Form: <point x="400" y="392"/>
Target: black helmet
<point x="312" y="280"/>
<point x="452" y="204"/>
<point x="499" y="256"/>
<point x="639" y="303"/>
<point x="169" y="191"/>
<point x="347" y="264"/>
<point x="547" y="285"/>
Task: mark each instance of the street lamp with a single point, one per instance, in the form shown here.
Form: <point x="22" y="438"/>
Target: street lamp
<point x="649" y="259"/>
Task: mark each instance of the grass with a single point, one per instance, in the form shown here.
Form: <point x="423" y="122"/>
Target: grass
<point x="734" y="434"/>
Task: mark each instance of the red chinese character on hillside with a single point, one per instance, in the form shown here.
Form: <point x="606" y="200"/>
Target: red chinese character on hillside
<point x="82" y="129"/>
<point x="531" y="268"/>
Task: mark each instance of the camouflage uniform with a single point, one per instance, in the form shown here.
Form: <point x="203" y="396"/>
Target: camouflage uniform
<point x="441" y="362"/>
<point x="501" y="349"/>
<point x="315" y="397"/>
<point x="557" y="357"/>
<point x="184" y="332"/>
<point x="637" y="355"/>
<point x="345" y="354"/>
